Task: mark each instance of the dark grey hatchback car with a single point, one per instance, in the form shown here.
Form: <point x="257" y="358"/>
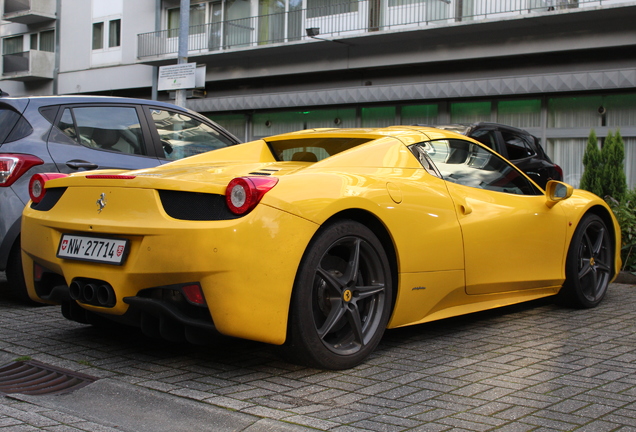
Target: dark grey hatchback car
<point x="73" y="133"/>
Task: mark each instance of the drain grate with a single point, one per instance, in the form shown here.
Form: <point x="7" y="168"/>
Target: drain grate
<point x="35" y="378"/>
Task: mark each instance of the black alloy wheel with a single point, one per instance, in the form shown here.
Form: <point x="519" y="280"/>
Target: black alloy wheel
<point x="342" y="298"/>
<point x="589" y="265"/>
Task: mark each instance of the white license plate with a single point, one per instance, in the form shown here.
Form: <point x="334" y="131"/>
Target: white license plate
<point x="96" y="249"/>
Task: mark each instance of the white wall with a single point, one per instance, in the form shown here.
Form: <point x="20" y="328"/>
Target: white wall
<point x="84" y="70"/>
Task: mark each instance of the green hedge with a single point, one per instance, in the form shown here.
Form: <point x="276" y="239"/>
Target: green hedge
<point x="603" y="174"/>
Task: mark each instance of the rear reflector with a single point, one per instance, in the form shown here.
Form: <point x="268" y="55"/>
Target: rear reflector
<point x="193" y="294"/>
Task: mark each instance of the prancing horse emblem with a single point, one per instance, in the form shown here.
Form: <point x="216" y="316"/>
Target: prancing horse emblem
<point x="101" y="202"/>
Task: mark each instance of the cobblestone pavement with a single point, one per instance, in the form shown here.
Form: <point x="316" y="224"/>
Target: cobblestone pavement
<point x="533" y="367"/>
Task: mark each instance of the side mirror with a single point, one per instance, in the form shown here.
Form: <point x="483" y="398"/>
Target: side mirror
<point x="556" y="191"/>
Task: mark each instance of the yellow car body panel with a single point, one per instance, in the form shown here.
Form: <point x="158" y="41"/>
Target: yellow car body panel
<point x="458" y="249"/>
<point x="249" y="295"/>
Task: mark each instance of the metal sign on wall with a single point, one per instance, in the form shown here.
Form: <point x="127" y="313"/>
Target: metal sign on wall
<point x="177" y="77"/>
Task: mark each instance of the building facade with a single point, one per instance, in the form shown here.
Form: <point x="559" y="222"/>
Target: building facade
<point x="557" y="68"/>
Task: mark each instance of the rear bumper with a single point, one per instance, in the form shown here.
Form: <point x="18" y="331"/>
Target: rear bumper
<point x="246" y="267"/>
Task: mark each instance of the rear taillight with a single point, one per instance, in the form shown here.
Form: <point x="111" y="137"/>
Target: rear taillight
<point x="560" y="171"/>
<point x="12" y="166"/>
<point x="110" y="176"/>
<point x="37" y="184"/>
<point x="243" y="193"/>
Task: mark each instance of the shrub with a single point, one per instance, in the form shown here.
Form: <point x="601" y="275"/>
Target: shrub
<point x="614" y="182"/>
<point x="592" y="166"/>
<point x="625" y="212"/>
<point x="604" y="175"/>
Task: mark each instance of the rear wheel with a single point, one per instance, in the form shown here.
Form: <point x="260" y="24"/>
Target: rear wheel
<point x="342" y="298"/>
<point x="589" y="265"/>
<point x="15" y="276"/>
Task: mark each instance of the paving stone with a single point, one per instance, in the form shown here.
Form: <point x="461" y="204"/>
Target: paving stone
<point x="550" y="424"/>
<point x="460" y="424"/>
<point x="373" y="426"/>
<point x="532" y="367"/>
<point x="516" y="427"/>
<point x="312" y="422"/>
<point x="599" y="426"/>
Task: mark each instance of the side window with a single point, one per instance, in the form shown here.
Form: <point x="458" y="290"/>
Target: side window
<point x="182" y="136"/>
<point x="67" y="125"/>
<point x="517" y="146"/>
<point x="425" y="160"/>
<point x="468" y="164"/>
<point x="115" y="129"/>
<point x="486" y="137"/>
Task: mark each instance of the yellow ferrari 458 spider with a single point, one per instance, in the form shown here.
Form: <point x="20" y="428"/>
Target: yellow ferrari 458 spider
<point x="315" y="240"/>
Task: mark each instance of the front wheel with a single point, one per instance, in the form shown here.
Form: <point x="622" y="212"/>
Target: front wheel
<point x="589" y="265"/>
<point x="342" y="298"/>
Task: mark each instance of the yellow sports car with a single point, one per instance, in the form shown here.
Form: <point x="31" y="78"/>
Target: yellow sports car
<point x="315" y="240"/>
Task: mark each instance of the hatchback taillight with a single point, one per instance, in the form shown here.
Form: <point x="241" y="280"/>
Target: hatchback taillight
<point x="37" y="185"/>
<point x="243" y="193"/>
<point x="12" y="166"/>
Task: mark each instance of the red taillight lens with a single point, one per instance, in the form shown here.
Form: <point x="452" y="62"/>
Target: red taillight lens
<point x="560" y="171"/>
<point x="243" y="193"/>
<point x="37" y="185"/>
<point x="12" y="166"/>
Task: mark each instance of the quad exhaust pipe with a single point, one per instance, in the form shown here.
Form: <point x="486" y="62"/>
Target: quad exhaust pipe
<point x="93" y="292"/>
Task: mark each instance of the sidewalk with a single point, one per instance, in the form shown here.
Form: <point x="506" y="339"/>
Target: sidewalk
<point x="533" y="367"/>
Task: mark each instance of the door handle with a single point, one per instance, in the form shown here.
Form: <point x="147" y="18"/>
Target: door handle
<point x="81" y="165"/>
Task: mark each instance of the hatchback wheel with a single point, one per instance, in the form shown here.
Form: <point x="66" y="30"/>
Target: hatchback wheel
<point x="15" y="276"/>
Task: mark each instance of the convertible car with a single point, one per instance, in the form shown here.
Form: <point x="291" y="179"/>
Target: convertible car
<point x="315" y="240"/>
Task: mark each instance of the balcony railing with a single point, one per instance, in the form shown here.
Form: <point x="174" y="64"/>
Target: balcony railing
<point x="28" y="66"/>
<point x="350" y="18"/>
<point x="29" y="11"/>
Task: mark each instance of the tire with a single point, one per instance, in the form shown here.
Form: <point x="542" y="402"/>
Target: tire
<point x="589" y="264"/>
<point x="15" y="276"/>
<point x="342" y="298"/>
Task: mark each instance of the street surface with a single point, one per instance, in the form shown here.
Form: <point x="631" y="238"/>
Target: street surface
<point x="532" y="367"/>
